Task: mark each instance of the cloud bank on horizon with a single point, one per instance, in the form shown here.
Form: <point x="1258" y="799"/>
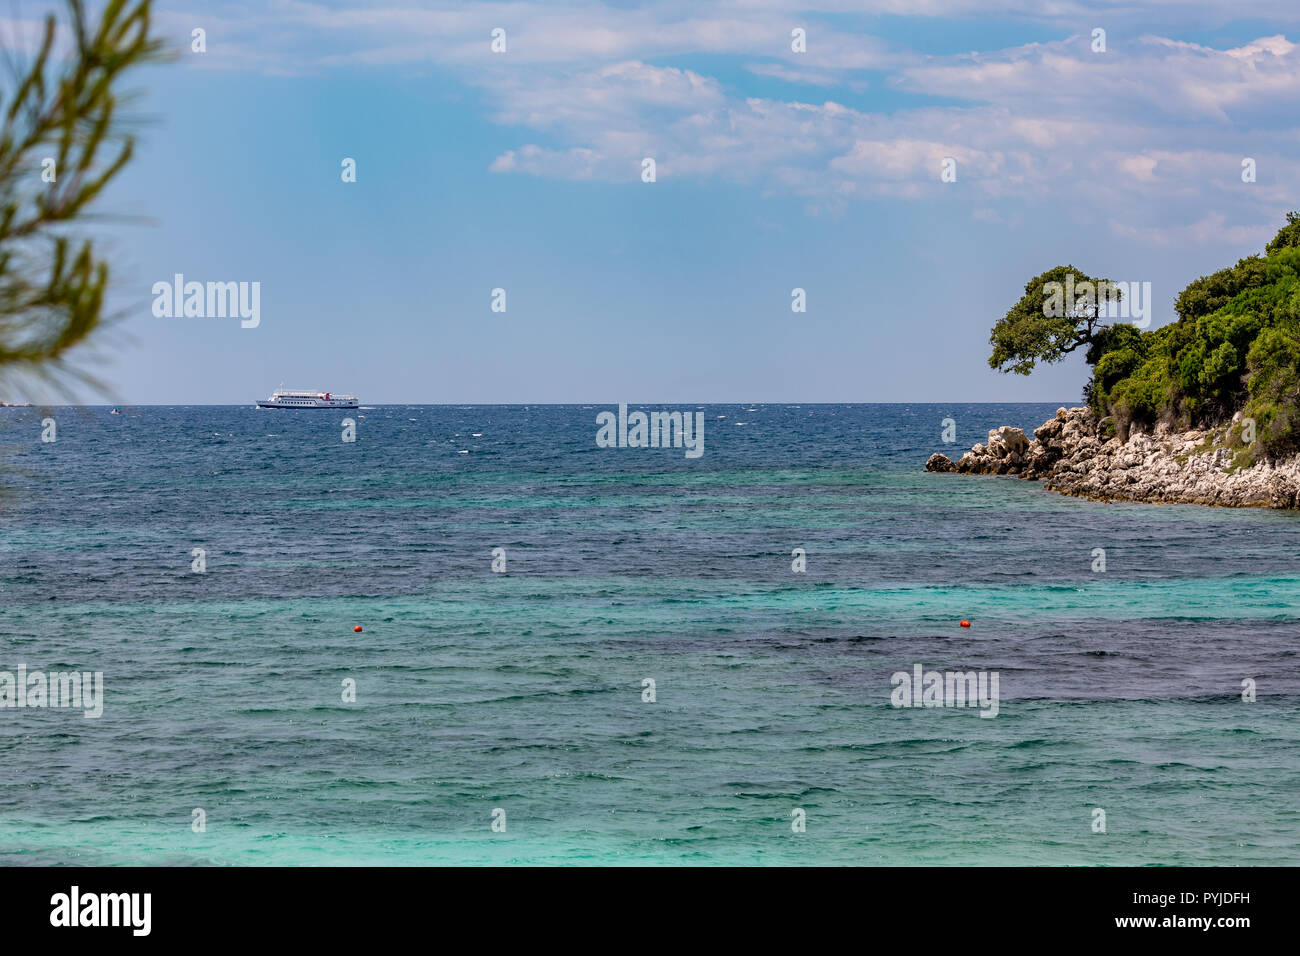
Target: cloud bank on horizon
<point x="593" y="88"/>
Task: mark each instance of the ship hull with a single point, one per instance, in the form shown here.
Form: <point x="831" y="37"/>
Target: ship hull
<point x="295" y="407"/>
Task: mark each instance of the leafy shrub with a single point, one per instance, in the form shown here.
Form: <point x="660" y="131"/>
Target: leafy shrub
<point x="1235" y="346"/>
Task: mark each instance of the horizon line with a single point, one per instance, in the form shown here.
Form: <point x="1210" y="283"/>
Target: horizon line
<point x="512" y="404"/>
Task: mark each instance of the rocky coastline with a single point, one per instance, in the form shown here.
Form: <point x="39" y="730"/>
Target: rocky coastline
<point x="1075" y="454"/>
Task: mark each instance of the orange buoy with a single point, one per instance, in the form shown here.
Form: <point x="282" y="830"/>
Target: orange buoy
<point x="963" y="624"/>
<point x="357" y="628"/>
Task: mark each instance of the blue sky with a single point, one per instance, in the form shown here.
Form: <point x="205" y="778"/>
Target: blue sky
<point x="775" y="170"/>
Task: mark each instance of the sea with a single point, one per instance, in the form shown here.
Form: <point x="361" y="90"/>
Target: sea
<point x="471" y="635"/>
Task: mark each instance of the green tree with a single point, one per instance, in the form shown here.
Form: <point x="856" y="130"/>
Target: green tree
<point x="1288" y="236"/>
<point x="1061" y="310"/>
<point x="62" y="122"/>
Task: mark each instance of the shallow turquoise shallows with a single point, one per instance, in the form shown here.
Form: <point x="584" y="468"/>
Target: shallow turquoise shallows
<point x="520" y="697"/>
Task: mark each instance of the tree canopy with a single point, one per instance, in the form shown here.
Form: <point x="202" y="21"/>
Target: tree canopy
<point x="1061" y="311"/>
<point x="1235" y="347"/>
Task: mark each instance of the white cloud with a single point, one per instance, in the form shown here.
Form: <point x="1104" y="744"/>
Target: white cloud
<point x="1153" y="77"/>
<point x="574" y="163"/>
<point x="1211" y="229"/>
<point x="1128" y="136"/>
<point x="780" y="71"/>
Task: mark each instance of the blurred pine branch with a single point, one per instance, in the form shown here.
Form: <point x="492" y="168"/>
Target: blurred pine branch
<point x="65" y="106"/>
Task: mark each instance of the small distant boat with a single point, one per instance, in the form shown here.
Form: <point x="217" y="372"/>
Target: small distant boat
<point x="299" y="398"/>
<point x="116" y="410"/>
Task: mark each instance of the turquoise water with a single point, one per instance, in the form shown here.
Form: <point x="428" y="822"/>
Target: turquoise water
<point x="475" y="690"/>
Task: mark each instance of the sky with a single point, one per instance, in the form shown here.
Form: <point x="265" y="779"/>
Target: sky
<point x="775" y="169"/>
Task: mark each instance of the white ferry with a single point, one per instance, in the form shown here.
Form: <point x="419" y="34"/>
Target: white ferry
<point x="296" y="398"/>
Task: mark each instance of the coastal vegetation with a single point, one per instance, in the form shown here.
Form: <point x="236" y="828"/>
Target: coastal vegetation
<point x="62" y="140"/>
<point x="1231" y="360"/>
